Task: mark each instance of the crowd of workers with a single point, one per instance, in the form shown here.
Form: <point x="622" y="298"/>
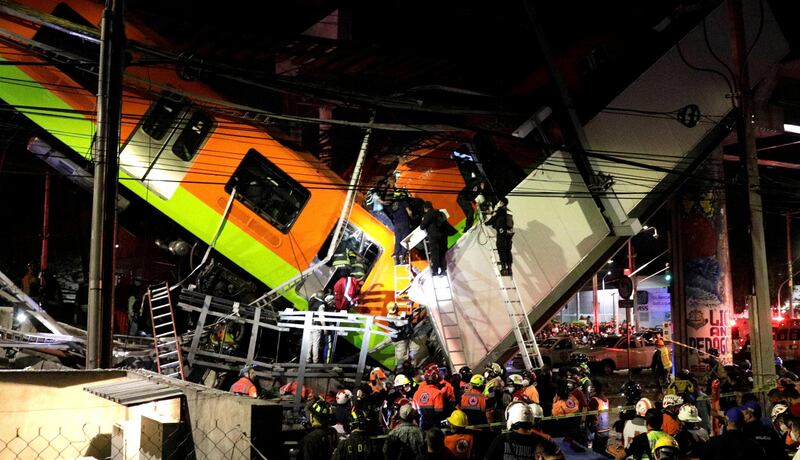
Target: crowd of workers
<point x="426" y="412"/>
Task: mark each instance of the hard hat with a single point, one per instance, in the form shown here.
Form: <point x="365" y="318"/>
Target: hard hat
<point x="579" y="358"/>
<point x="514" y="379"/>
<point x="684" y="374"/>
<point x="458" y="419"/>
<point x="480" y="199"/>
<point x="778" y="361"/>
<point x="529" y="378"/>
<point x="671" y="400"/>
<point x="518" y="413"/>
<point x="432" y="373"/>
<point x="358" y="419"/>
<point x="631" y="390"/>
<point x="665" y="444"/>
<point x="537" y="411"/>
<point x="495" y="369"/>
<point x="777" y="410"/>
<point x="401" y="380"/>
<point x="713" y="352"/>
<point x="376" y="374"/>
<point x="643" y="406"/>
<point x="391" y="308"/>
<point x="320" y="408"/>
<point x="400" y="402"/>
<point x="243" y="372"/>
<point x="466" y="373"/>
<point x="477" y="380"/>
<point x="688" y="413"/>
<point x="343" y="397"/>
<point x="585" y="368"/>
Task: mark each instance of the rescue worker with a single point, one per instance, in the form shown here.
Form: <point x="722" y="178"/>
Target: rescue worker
<point x="513" y="389"/>
<point x="359" y="445"/>
<point x="458" y="444"/>
<point x="494" y="373"/>
<point x="521" y="440"/>
<point x="503" y="223"/>
<point x="765" y="436"/>
<point x="433" y="223"/>
<point x="466" y="197"/>
<point x="599" y="425"/>
<point x="346" y="291"/>
<point x="683" y="385"/>
<point x="342" y="409"/>
<point x="732" y="444"/>
<point x="429" y="400"/>
<point x="671" y="404"/>
<point x="565" y="403"/>
<point x="691" y="437"/>
<point x="405" y="345"/>
<point x="357" y="268"/>
<point x="661" y="365"/>
<point x="473" y="401"/>
<point x="246" y="385"/>
<point x="402" y="387"/>
<point x="405" y="441"/>
<point x="316" y="303"/>
<point x="643" y="444"/>
<point x="306" y="393"/>
<point x="529" y="389"/>
<point x="322" y="440"/>
<point x="666" y="448"/>
<point x="638" y="424"/>
<point x="340" y="263"/>
<point x="377" y="380"/>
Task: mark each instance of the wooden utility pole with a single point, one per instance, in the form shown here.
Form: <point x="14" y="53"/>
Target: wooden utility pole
<point x="763" y="353"/>
<point x="106" y="150"/>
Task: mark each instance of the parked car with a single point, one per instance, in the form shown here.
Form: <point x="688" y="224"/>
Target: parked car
<point x="556" y="350"/>
<point x="611" y="353"/>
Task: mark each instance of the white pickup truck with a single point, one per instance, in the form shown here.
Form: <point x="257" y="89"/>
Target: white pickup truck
<point x="556" y="350"/>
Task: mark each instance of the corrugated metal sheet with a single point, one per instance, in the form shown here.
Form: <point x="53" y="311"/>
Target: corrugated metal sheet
<point x="133" y="392"/>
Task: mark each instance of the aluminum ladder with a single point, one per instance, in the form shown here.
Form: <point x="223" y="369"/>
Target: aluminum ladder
<point x="450" y="337"/>
<point x="520" y="323"/>
<point x="169" y="358"/>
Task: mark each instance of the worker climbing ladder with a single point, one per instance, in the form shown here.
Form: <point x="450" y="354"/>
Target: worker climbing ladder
<point x="520" y="324"/>
<point x="447" y="317"/>
<point x="169" y="360"/>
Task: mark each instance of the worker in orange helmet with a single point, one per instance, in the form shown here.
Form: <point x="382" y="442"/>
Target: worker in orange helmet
<point x="377" y="380"/>
<point x="246" y="385"/>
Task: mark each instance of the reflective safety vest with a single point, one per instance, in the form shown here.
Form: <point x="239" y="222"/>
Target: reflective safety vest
<point x="680" y="386"/>
<point x="531" y="393"/>
<point x="666" y="361"/>
<point x="340" y="259"/>
<point x="473" y="400"/>
<point x="566" y="407"/>
<point x="459" y="445"/>
<point x="602" y="418"/>
<point x="244" y="387"/>
<point x="429" y="397"/>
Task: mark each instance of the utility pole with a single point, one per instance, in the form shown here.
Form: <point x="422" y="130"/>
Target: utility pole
<point x="595" y="305"/>
<point x="106" y="150"/>
<point x="763" y="353"/>
<point x="790" y="272"/>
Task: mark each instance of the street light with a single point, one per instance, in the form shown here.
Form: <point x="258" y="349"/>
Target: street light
<point x="604" y="279"/>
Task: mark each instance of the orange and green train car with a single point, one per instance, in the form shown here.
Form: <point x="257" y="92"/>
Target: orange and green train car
<point x="183" y="155"/>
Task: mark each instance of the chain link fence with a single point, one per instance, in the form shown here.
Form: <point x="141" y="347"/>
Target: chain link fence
<point x="148" y="439"/>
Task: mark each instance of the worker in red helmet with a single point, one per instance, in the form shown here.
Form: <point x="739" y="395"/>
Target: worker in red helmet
<point x="429" y="399"/>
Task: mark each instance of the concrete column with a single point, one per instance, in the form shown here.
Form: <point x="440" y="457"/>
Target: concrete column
<point x="705" y="264"/>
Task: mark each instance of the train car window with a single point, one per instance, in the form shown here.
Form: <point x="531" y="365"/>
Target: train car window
<point x="163" y="115"/>
<point x="782" y="334"/>
<point x="193" y="135"/>
<point x="268" y="191"/>
<point x="356" y="241"/>
<point x="794" y="334"/>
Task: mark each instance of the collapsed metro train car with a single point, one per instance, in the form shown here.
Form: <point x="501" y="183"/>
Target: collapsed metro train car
<point x="184" y="151"/>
